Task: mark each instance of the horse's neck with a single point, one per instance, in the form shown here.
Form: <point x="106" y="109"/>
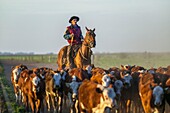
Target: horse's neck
<point x="85" y="50"/>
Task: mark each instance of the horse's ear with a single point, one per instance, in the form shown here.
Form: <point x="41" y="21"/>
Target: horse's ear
<point x="93" y="29"/>
<point x="87" y="29"/>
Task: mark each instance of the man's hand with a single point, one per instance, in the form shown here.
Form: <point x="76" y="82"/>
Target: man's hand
<point x="82" y="39"/>
<point x="72" y="35"/>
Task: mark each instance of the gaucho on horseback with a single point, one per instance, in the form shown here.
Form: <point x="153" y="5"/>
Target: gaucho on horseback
<point x="74" y="37"/>
<point x="78" y="52"/>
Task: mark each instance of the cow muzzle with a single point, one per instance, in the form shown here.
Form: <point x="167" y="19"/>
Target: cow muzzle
<point x="114" y="104"/>
<point x="126" y="84"/>
<point x="158" y="104"/>
<point x="56" y="87"/>
<point x="74" y="97"/>
<point x="16" y="81"/>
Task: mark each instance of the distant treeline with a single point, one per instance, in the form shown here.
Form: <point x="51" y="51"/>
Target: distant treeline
<point x="22" y="53"/>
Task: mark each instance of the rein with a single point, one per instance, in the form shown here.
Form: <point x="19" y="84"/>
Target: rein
<point x="83" y="55"/>
<point x="86" y="45"/>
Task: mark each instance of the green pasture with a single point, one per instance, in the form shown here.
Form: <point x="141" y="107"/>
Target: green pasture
<point x="106" y="60"/>
<point x="146" y="60"/>
<point x="31" y="58"/>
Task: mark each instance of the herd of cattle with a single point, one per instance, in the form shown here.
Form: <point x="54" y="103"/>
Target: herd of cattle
<point x="128" y="89"/>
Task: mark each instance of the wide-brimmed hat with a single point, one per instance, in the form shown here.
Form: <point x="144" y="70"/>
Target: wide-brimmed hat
<point x="74" y="17"/>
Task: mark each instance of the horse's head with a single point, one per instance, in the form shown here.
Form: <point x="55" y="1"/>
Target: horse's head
<point x="90" y="38"/>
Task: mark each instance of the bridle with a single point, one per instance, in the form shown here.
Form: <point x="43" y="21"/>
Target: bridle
<point x="89" y="34"/>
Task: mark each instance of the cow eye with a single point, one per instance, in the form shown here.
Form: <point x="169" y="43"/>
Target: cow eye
<point x="106" y="97"/>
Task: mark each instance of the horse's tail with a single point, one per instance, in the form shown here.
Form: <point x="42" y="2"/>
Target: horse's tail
<point x="61" y="58"/>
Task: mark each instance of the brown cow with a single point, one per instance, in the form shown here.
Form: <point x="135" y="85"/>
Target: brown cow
<point x="73" y="80"/>
<point x="135" y="98"/>
<point x="23" y="76"/>
<point x="15" y="75"/>
<point x="126" y="94"/>
<point x="167" y="91"/>
<point x="79" y="73"/>
<point x="31" y="92"/>
<point x="100" y="76"/>
<point x="129" y="75"/>
<point x="151" y="93"/>
<point x="95" y="98"/>
<point x="53" y="86"/>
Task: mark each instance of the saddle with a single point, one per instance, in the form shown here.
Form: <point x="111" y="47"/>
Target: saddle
<point x="74" y="50"/>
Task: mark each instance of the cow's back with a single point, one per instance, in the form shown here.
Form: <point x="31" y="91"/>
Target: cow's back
<point x="87" y="91"/>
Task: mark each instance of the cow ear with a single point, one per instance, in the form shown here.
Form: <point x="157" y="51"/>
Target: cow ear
<point x="30" y="72"/>
<point x="121" y="74"/>
<point x="99" y="88"/>
<point x="151" y="87"/>
<point x="167" y="90"/>
<point x="12" y="67"/>
<point x="160" y="84"/>
<point x="63" y="75"/>
<point x="79" y="83"/>
<point x="122" y="66"/>
<point x="31" y="75"/>
<point x="68" y="84"/>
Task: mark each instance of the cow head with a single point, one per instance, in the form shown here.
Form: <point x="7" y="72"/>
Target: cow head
<point x="158" y="95"/>
<point x="118" y="85"/>
<point x="89" y="69"/>
<point x="43" y="72"/>
<point x="108" y="96"/>
<point x="35" y="80"/>
<point x="57" y="80"/>
<point x="152" y="71"/>
<point x="36" y="71"/>
<point x="74" y="85"/>
<point x="63" y="74"/>
<point x="126" y="78"/>
<point x="16" y="73"/>
<point x="106" y="80"/>
<point x="167" y="87"/>
<point x="126" y="67"/>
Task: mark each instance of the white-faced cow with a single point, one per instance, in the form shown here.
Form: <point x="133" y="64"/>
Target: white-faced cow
<point x="15" y="75"/>
<point x="94" y="98"/>
<point x="151" y="93"/>
<point x="54" y="90"/>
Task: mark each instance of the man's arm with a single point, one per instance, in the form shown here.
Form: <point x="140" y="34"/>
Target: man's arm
<point x="67" y="35"/>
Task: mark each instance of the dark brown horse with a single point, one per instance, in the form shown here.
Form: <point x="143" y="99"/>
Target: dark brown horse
<point x="83" y="56"/>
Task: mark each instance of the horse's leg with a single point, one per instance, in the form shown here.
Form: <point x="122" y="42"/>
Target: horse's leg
<point x="69" y="53"/>
<point x="61" y="59"/>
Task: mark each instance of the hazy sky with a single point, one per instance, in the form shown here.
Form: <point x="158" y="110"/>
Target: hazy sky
<point x="121" y="25"/>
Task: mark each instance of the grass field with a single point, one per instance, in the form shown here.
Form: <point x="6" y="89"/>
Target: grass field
<point x="146" y="60"/>
<point x="106" y="60"/>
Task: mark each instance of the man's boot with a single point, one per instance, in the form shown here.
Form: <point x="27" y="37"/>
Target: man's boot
<point x="69" y="58"/>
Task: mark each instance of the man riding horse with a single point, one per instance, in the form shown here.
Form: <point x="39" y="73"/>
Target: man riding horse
<point x="78" y="52"/>
<point x="74" y="37"/>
